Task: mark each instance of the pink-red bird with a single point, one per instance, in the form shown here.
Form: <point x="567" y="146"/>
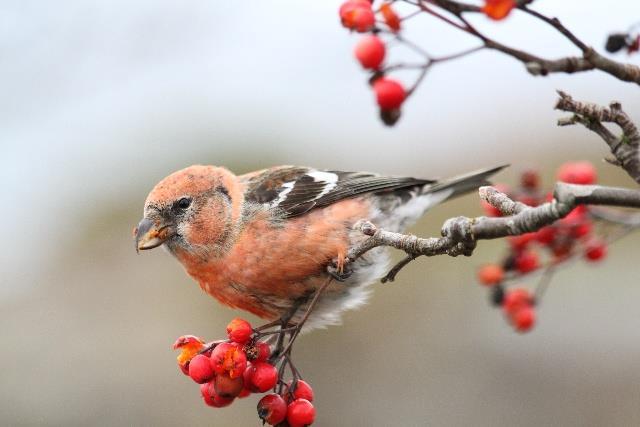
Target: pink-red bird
<point x="262" y="241"/>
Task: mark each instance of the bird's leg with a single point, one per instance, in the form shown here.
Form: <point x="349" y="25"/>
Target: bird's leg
<point x="340" y="268"/>
<point x="287" y="349"/>
<point x="284" y="324"/>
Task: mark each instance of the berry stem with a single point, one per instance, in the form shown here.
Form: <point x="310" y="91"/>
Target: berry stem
<point x="310" y="308"/>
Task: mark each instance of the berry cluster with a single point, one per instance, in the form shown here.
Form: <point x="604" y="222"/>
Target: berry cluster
<point x="371" y="50"/>
<point x="244" y="364"/>
<point x="572" y="235"/>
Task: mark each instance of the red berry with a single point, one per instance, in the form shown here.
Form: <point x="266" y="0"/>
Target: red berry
<point x="521" y="242"/>
<point x="582" y="229"/>
<point x="260" y="376"/>
<point x="489" y="275"/>
<point x="244" y="393"/>
<point x="634" y="46"/>
<point x="577" y="215"/>
<point x="357" y="15"/>
<point x="264" y="351"/>
<point x="526" y="262"/>
<point x="349" y="5"/>
<point x="272" y="409"/>
<point x="562" y="250"/>
<point x="548" y="197"/>
<point x="239" y="330"/>
<point x="247" y="376"/>
<point x="303" y="390"/>
<point x="595" y="250"/>
<point x="390" y="94"/>
<point x="524" y="319"/>
<point x="184" y="368"/>
<point x="228" y="359"/>
<point x="489" y="209"/>
<point x="204" y="391"/>
<point x="200" y="369"/>
<point x="228" y="387"/>
<point x="577" y="173"/>
<point x="546" y="235"/>
<point x="515" y="299"/>
<point x="211" y="398"/>
<point x="370" y="52"/>
<point x="528" y="200"/>
<point x="300" y="413"/>
<point x="530" y="179"/>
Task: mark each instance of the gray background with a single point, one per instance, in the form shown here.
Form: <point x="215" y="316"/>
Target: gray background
<point x="102" y="99"/>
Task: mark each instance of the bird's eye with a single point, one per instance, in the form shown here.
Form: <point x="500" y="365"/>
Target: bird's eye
<point x="184" y="203"/>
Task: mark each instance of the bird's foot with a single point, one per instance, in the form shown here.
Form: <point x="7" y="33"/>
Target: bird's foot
<point x="340" y="268"/>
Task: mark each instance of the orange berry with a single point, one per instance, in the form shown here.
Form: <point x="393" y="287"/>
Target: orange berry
<point x="490" y="274"/>
<point x="390" y="17"/>
<point x="189" y="346"/>
<point x="498" y="9"/>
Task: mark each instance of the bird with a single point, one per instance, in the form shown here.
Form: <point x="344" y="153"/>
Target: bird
<point x="262" y="242"/>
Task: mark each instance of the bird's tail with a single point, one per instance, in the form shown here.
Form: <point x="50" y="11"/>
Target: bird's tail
<point x="463" y="184"/>
<point x="405" y="211"/>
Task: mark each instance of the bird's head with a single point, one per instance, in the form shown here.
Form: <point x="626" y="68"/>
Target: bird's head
<point x="194" y="211"/>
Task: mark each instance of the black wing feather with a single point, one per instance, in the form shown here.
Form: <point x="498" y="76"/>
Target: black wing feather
<point x="295" y="191"/>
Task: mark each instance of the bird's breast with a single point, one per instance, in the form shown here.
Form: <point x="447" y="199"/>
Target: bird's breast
<point x="273" y="263"/>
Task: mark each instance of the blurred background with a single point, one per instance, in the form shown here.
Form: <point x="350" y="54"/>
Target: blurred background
<point x="100" y="100"/>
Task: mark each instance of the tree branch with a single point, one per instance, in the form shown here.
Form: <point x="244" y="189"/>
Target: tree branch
<point x="460" y="234"/>
<point x="625" y="148"/>
<point x="535" y="65"/>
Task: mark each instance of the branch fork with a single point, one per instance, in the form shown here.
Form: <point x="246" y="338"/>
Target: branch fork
<point x="461" y="234"/>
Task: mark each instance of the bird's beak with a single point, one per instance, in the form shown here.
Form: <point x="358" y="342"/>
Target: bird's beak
<point x="150" y="235"/>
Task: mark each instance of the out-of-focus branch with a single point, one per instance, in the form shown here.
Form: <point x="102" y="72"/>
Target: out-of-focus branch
<point x="625" y="148"/>
<point x="534" y="64"/>
<point x="460" y="234"/>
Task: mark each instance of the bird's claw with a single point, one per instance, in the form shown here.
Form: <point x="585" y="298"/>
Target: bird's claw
<point x="340" y="268"/>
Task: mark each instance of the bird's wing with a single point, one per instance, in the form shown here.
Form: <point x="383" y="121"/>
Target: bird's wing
<point x="296" y="190"/>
